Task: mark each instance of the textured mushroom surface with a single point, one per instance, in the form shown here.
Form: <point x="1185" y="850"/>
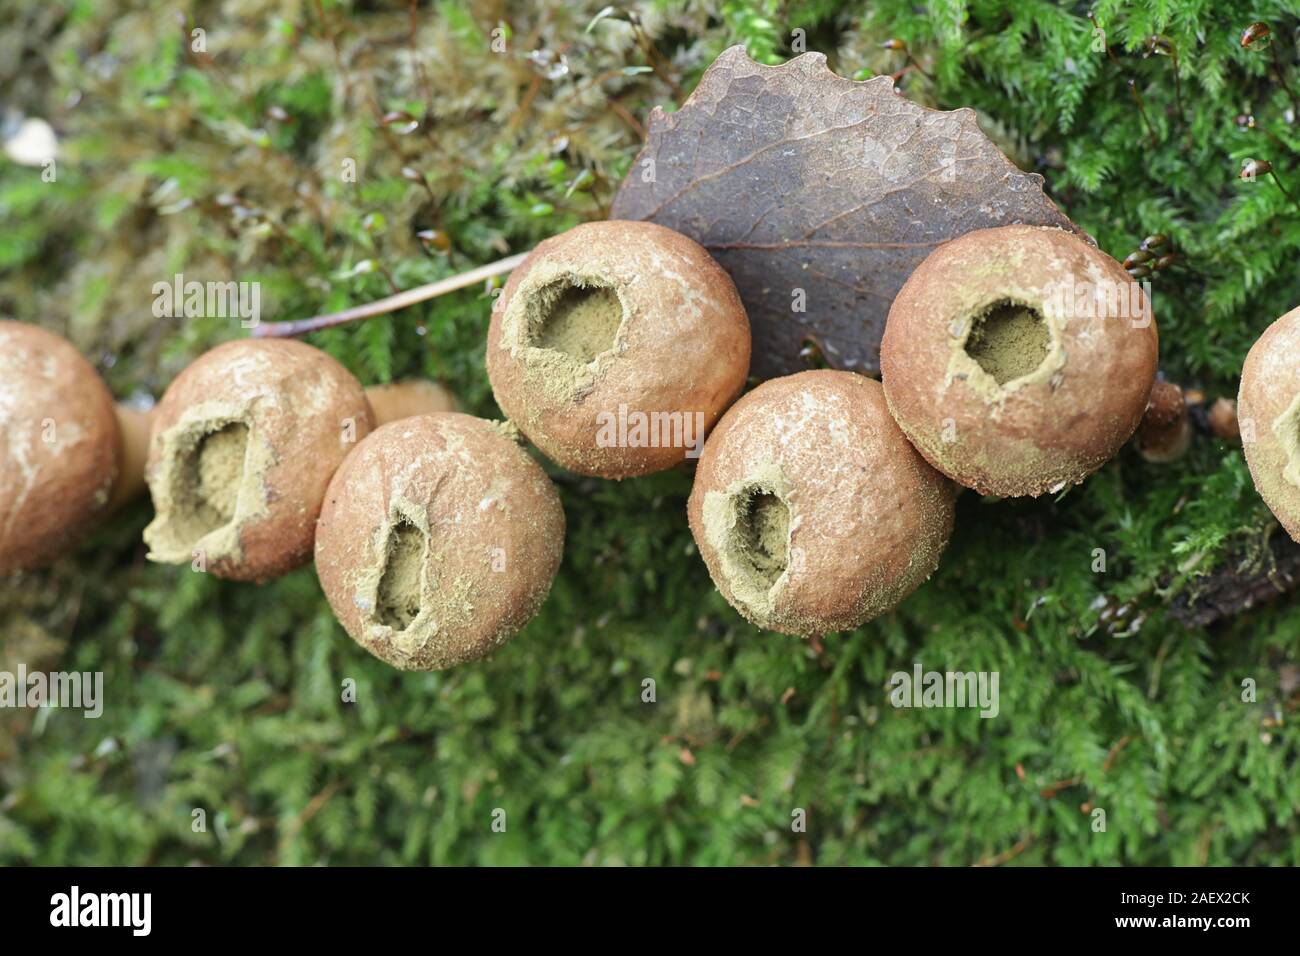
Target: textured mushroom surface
<point x="1268" y="416"/>
<point x="1019" y="360"/>
<point x="811" y="509"/>
<point x="1165" y="432"/>
<point x="61" y="447"/>
<point x="244" y="444"/>
<point x="438" y="541"/>
<point x="616" y="346"/>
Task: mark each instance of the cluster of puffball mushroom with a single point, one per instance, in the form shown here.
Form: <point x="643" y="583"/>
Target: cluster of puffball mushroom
<point x="820" y="499"/>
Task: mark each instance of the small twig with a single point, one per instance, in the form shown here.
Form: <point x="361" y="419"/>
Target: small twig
<point x="908" y="68"/>
<point x="1137" y="98"/>
<point x="1285" y="192"/>
<point x="1006" y="856"/>
<point x="1097" y="27"/>
<point x="392" y="283"/>
<point x="1052" y="789"/>
<point x="626" y="116"/>
<point x="423" y="293"/>
<point x="917" y="63"/>
<point x="526" y="104"/>
<point x="1281" y="79"/>
<point x="1153" y="685"/>
<point x="1163" y="46"/>
<point x="734" y="742"/>
<point x="1247" y="121"/>
<point x="652" y="56"/>
<point x="419" y="66"/>
<point x="313" y="807"/>
<point x="1114" y="752"/>
<point x="338" y="53"/>
<point x="1178" y="90"/>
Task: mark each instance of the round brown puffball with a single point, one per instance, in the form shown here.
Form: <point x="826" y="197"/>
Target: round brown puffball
<point x="1222" y="418"/>
<point x="1268" y="415"/>
<point x="1018" y="360"/>
<point x="810" y="508"/>
<point x="62" y="450"/>
<point x="438" y="541"/>
<point x="616" y="346"/>
<point x="1165" y="432"/>
<point x="244" y="443"/>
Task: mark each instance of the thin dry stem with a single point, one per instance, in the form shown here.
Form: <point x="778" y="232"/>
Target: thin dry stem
<point x="392" y="303"/>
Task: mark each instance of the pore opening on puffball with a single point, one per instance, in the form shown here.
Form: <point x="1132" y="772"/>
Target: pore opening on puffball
<point x="400" y="593"/>
<point x="1286" y="431"/>
<point x="1009" y="340"/>
<point x="211" y="472"/>
<point x="577" y="320"/>
<point x="763" y="535"/>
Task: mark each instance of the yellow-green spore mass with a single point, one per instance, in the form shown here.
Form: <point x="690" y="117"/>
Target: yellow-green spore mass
<point x="581" y="322"/>
<point x="400" y="587"/>
<point x="220" y="468"/>
<point x="1009" y="341"/>
<point x="210" y="460"/>
<point x="763" y="535"/>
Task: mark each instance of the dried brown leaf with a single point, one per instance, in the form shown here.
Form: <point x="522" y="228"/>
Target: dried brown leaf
<point x="811" y="189"/>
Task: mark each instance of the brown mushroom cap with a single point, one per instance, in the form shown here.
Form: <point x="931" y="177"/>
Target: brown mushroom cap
<point x="62" y="450"/>
<point x="616" y="345"/>
<point x="1222" y="418"/>
<point x="1268" y="410"/>
<point x="244" y="443"/>
<point x="1019" y="359"/>
<point x="811" y="509"/>
<point x="1165" y="432"/>
<point x="438" y="541"/>
<point x="404" y="399"/>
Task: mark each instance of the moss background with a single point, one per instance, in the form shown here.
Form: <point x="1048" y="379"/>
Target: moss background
<point x="225" y="164"/>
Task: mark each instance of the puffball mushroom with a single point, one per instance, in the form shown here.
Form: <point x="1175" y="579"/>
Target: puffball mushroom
<point x="1019" y="359"/>
<point x="1222" y="419"/>
<point x="1268" y="410"/>
<point x="243" y="446"/>
<point x="1165" y="432"/>
<point x="63" y="446"/>
<point x="811" y="509"/>
<point x="404" y="399"/>
<point x="616" y="346"/>
<point x="438" y="541"/>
